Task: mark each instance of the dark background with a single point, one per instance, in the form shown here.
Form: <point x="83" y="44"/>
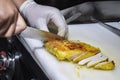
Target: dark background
<point x="62" y="4"/>
<point x="105" y="10"/>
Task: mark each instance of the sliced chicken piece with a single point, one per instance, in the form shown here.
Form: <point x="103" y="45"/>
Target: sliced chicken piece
<point x="95" y="61"/>
<point x="107" y="65"/>
<point x="85" y="61"/>
<point x="83" y="56"/>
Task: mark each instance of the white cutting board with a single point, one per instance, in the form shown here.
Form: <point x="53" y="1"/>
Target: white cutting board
<point x="93" y="34"/>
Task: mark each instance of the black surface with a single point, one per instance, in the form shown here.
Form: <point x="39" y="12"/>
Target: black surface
<point x="62" y="4"/>
<point x="25" y="67"/>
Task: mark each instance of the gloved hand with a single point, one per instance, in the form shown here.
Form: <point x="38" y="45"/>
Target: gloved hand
<point x="39" y="16"/>
<point x="78" y="12"/>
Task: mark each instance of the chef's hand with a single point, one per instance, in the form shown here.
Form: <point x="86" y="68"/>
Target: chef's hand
<point x="11" y="22"/>
<point x="39" y="16"/>
<point x="76" y="12"/>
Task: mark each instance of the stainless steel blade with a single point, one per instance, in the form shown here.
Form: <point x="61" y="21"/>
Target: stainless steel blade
<point x="107" y="26"/>
<point x="39" y="34"/>
<point x="111" y="28"/>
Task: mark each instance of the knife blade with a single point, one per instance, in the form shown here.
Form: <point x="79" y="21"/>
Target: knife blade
<point x="38" y="34"/>
<point x="113" y="29"/>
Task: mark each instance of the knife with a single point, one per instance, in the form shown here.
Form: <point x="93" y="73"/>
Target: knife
<point x="113" y="29"/>
<point x="38" y="34"/>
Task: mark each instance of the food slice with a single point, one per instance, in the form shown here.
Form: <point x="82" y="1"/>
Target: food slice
<point x="97" y="60"/>
<point x="107" y="65"/>
<point x="83" y="56"/>
<point x="85" y="61"/>
<point x="87" y="51"/>
<point x="69" y="50"/>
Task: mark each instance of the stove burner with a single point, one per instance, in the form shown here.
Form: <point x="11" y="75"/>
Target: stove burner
<point x="7" y="65"/>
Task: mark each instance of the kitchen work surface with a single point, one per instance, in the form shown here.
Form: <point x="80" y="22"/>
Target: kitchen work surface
<point x="93" y="34"/>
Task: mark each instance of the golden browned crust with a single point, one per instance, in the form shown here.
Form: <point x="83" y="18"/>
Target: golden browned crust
<point x="107" y="65"/>
<point x="69" y="50"/>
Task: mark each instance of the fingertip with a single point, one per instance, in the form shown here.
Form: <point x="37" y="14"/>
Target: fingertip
<point x="60" y="22"/>
<point x="63" y="32"/>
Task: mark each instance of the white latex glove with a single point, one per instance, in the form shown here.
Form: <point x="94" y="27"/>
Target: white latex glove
<point x="39" y="16"/>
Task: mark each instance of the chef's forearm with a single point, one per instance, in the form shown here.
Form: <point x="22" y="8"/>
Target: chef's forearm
<point x="18" y="3"/>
